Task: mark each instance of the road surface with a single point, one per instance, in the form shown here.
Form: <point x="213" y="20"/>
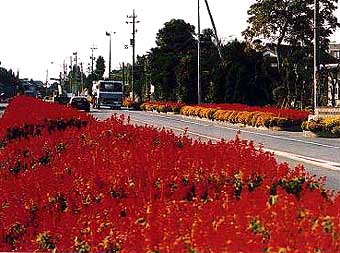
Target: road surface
<point x="320" y="156"/>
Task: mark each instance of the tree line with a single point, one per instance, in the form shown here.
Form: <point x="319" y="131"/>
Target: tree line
<point x="245" y="75"/>
<point x="8" y="82"/>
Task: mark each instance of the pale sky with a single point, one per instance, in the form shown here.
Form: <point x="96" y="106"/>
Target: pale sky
<point x="35" y="33"/>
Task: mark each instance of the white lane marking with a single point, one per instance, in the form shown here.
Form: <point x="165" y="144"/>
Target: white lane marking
<point x="264" y="134"/>
<point x="309" y="160"/>
<point x="285" y="138"/>
<point x="260" y="134"/>
<point x="182" y="120"/>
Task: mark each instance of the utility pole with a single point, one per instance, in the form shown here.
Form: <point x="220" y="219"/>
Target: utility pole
<point x="92" y="57"/>
<point x="316" y="51"/>
<point x="133" y="44"/>
<point x="198" y="54"/>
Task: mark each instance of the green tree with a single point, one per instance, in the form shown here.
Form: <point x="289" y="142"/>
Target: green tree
<point x="100" y="67"/>
<point x="142" y="78"/>
<point x="174" y="41"/>
<point x="89" y="81"/>
<point x="245" y="79"/>
<point x="8" y="82"/>
<point x="212" y="71"/>
<point x="172" y="68"/>
<point x="290" y="22"/>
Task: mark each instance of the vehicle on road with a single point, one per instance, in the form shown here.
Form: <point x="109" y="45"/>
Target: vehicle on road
<point x="80" y="103"/>
<point x="107" y="93"/>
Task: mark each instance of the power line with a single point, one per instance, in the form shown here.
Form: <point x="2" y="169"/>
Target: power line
<point x="218" y="41"/>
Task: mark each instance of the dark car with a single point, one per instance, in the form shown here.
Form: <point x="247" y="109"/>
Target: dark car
<point x="80" y="103"/>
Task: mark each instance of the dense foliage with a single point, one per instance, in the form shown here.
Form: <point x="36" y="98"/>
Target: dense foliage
<point x="171" y="67"/>
<point x="289" y="26"/>
<point x="160" y="106"/>
<point x="243" y="117"/>
<point x="82" y="185"/>
<point x="256" y="116"/>
<point x="8" y="82"/>
<point x="277" y="112"/>
<point x="325" y="127"/>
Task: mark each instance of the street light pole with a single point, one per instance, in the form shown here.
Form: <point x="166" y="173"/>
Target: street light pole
<point x="109" y="34"/>
<point x="198" y="54"/>
<point x="316" y="51"/>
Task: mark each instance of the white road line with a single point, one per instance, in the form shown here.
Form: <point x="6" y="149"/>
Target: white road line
<point x="260" y="134"/>
<point x="285" y="138"/>
<point x="182" y="120"/>
<point x="308" y="160"/>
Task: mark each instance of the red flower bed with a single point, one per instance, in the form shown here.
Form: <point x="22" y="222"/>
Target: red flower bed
<point x="282" y="113"/>
<point x="109" y="186"/>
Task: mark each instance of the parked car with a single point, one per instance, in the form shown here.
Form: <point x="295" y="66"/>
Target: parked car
<point x="80" y="103"/>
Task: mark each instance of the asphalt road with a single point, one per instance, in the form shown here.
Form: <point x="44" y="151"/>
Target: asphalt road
<point x="320" y="156"/>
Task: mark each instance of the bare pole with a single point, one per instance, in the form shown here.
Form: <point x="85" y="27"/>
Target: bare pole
<point x="133" y="51"/>
<point x="110" y="58"/>
<point x="316" y="51"/>
<point x="198" y="54"/>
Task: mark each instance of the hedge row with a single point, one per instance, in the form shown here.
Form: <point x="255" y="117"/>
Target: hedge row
<point x="326" y="127"/>
<point x="130" y="103"/>
<point x="278" y="112"/>
<point x="255" y="118"/>
<point x="236" y="114"/>
<point x="162" y="106"/>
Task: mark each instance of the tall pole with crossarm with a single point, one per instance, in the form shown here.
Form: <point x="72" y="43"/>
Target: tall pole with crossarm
<point x="133" y="44"/>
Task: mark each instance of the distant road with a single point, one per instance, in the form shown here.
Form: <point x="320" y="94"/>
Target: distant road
<point x="320" y="156"/>
<point x="2" y="108"/>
